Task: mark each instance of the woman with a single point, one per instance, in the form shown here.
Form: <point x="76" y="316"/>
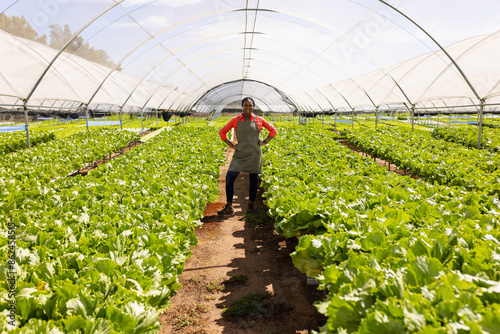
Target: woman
<point x="247" y="157"/>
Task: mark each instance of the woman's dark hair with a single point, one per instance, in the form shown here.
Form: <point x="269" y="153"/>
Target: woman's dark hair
<point x="247" y="99"/>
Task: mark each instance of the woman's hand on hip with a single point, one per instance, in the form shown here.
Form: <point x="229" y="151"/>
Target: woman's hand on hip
<point x="230" y="144"/>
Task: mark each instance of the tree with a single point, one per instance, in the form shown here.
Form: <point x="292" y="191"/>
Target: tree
<point x="61" y="36"/>
<point x="19" y="26"/>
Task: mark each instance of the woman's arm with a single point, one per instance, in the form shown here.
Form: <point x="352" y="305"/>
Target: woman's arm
<point x="272" y="132"/>
<point x="225" y="129"/>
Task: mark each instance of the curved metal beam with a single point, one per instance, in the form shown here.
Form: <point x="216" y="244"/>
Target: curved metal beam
<point x="439" y="45"/>
<point x="68" y="43"/>
<point x="243" y="81"/>
<point x="192" y="20"/>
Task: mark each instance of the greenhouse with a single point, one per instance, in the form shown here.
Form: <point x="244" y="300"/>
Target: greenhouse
<point x="377" y="124"/>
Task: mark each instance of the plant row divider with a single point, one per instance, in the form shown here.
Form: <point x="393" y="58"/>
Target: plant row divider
<point x="90" y="166"/>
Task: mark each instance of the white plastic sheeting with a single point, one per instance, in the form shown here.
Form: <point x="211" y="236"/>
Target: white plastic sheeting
<point x="312" y="55"/>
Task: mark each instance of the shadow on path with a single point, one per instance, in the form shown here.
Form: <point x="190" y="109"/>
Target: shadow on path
<point x="234" y="247"/>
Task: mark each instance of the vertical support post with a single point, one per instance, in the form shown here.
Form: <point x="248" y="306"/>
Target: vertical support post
<point x="156" y="113"/>
<point x="412" y="113"/>
<point x="481" y="111"/>
<point x="352" y="119"/>
<point x="121" y="122"/>
<point x="86" y="115"/>
<point x="142" y="122"/>
<point x="25" y="106"/>
<point x="376" y="117"/>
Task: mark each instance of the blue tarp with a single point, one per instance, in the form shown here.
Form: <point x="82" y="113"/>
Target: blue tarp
<point x="102" y="123"/>
<point x="12" y="128"/>
<point x="342" y="121"/>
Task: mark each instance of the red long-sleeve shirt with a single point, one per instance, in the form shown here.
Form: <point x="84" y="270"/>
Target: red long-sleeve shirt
<point x="260" y="123"/>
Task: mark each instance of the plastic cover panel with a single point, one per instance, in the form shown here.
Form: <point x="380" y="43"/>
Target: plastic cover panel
<point x="287" y="54"/>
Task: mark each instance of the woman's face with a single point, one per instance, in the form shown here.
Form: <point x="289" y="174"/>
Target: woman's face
<point x="247" y="107"/>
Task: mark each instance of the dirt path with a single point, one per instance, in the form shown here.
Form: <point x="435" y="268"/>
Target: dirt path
<point x="235" y="257"/>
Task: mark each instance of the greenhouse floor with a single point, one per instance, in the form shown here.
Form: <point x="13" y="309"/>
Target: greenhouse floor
<point x="238" y="255"/>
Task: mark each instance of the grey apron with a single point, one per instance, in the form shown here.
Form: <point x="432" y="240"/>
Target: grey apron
<point x="248" y="156"/>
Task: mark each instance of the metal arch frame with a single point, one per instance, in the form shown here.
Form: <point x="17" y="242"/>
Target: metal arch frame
<point x="168" y="58"/>
<point x="65" y="46"/>
<point x="138" y="46"/>
<point x="268" y="84"/>
<point x="147" y="40"/>
<point x="481" y="100"/>
<point x="236" y="88"/>
<point x="340" y="69"/>
<point x="192" y="20"/>
<point x="438" y="44"/>
<point x="360" y="86"/>
<point x="435" y="41"/>
<point x="238" y="91"/>
<point x="236" y="80"/>
<point x="243" y="82"/>
<point x="245" y="67"/>
<point x="364" y="54"/>
<point x="287" y="59"/>
<point x="36" y="52"/>
<point x="222" y="102"/>
<point x="90" y="22"/>
<point x="290" y="96"/>
<point x="464" y="53"/>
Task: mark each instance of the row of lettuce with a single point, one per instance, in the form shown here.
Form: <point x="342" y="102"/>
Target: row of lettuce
<point x="395" y="254"/>
<point x="46" y="131"/>
<point x="58" y="158"/>
<point x="102" y="253"/>
<point x="15" y="141"/>
<point x="468" y="136"/>
<point x="435" y="160"/>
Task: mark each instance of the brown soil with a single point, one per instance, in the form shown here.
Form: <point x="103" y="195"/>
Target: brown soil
<point x="257" y="259"/>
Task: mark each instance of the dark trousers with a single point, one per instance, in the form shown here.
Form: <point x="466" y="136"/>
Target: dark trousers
<point x="231" y="177"/>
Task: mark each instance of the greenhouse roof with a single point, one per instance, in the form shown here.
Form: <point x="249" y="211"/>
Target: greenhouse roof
<point x="289" y="55"/>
